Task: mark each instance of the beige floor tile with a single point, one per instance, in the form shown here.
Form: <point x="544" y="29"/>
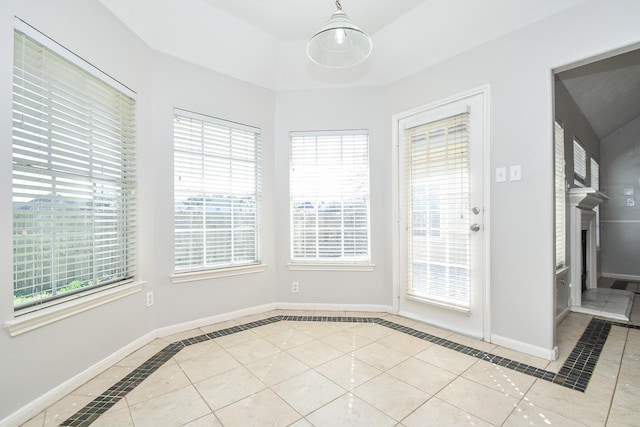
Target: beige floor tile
<point x="197" y="351"/>
<point x="607" y="368"/>
<point x="182" y="335"/>
<point x="447" y="359"/>
<point x="276" y="368"/>
<point x="218" y="326"/>
<point x="97" y="386"/>
<point x="432" y="330"/>
<point x="347" y="371"/>
<point x="164" y="380"/>
<point x="289" y="338"/>
<point x="171" y="409"/>
<point x="392" y="396"/>
<point x="249" y="351"/>
<point x="346" y="341"/>
<point x="622" y="417"/>
<point x="263" y="409"/>
<point x="569" y="403"/>
<point x="229" y="387"/>
<point x="208" y="420"/>
<point x="64" y="408"/>
<point x="205" y="366"/>
<point x="627" y="396"/>
<point x="319" y="329"/>
<point x="436" y="413"/>
<point x="349" y="411"/>
<point x="423" y="375"/>
<point x="601" y="387"/>
<point x="371" y="331"/>
<point x="528" y="415"/>
<point x="37" y="421"/>
<point x="405" y="343"/>
<point x="380" y="356"/>
<point x="114" y="417"/>
<point x="504" y="380"/>
<point x="520" y="357"/>
<point x="237" y="338"/>
<point x="301" y="423"/>
<point x="141" y="355"/>
<point x="329" y="313"/>
<point x="315" y="353"/>
<point x="272" y="329"/>
<point x="479" y="400"/>
<point x="308" y="391"/>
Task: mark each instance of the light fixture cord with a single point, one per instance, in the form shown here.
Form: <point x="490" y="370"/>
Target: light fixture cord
<point x="338" y="5"/>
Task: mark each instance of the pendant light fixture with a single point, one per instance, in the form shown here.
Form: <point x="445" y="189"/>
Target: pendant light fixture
<point x="340" y="43"/>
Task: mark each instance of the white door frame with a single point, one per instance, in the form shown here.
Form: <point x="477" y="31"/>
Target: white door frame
<point x="396" y="223"/>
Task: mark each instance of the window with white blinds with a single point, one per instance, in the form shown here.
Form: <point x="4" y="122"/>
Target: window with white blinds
<point x="560" y="196"/>
<point x="579" y="161"/>
<point x="74" y="174"/>
<point x="329" y="196"/>
<point x="436" y="156"/>
<point x="217" y="193"/>
<point x="595" y="183"/>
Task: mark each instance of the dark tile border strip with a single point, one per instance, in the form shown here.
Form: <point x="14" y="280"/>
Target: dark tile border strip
<point x="574" y="374"/>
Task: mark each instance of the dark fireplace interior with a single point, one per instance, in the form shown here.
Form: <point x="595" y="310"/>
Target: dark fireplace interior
<point x="584" y="260"/>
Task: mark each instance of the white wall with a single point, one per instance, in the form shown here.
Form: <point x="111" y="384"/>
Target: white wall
<point x="177" y="84"/>
<point x="38" y="361"/>
<point x="41" y="360"/>
<point x="519" y="69"/>
<point x="620" y="224"/>
<point x="356" y="108"/>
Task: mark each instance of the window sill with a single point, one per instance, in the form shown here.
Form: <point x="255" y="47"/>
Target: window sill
<point x="37" y="319"/>
<point x="308" y="266"/>
<point x="561" y="270"/>
<point x="213" y="274"/>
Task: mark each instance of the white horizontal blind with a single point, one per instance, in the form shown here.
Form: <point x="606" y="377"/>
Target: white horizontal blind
<point x="595" y="183"/>
<point x="329" y="196"/>
<point x="579" y="160"/>
<point x="217" y="193"/>
<point x="438" y="196"/>
<point x="560" y="196"/>
<point x="74" y="175"/>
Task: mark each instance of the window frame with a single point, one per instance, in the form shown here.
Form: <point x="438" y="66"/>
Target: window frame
<point x="297" y="187"/>
<point x="212" y="139"/>
<point x="560" y="196"/>
<point x="81" y="174"/>
<point x="579" y="169"/>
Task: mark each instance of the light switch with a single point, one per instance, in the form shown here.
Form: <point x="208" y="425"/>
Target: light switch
<point x="501" y="174"/>
<point x="515" y="173"/>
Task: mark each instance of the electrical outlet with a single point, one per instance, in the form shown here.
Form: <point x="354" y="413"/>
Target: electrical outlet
<point x="294" y="287"/>
<point x="149" y="298"/>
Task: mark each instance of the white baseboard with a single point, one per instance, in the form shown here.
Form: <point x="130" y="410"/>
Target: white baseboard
<point x="465" y="332"/>
<point x="186" y="326"/>
<point x="560" y="317"/>
<point x="335" y="307"/>
<point x="543" y="353"/>
<point x="32" y="409"/>
<point x="629" y="277"/>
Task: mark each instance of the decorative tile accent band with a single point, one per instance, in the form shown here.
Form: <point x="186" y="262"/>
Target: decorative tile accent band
<point x="575" y="373"/>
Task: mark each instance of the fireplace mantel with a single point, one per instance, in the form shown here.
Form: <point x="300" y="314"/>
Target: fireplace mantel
<point x="586" y="198"/>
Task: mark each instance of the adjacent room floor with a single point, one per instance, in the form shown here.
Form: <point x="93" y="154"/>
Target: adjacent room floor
<point x="306" y="368"/>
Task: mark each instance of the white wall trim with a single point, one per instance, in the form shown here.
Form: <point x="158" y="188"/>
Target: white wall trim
<point x="543" y="353"/>
<point x="33" y="408"/>
<point x="217" y="273"/>
<point x="335" y="307"/>
<point x="621" y="276"/>
<point x="187" y="326"/>
<point x="39" y="318"/>
<point x="560" y="317"/>
<point x="309" y="266"/>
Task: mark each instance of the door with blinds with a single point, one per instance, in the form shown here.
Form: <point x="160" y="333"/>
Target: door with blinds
<point x="442" y="215"/>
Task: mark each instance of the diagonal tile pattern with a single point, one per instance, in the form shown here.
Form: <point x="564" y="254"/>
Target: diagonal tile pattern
<point x="298" y="369"/>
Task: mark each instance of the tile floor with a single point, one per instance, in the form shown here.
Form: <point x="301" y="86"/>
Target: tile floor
<point x="351" y="373"/>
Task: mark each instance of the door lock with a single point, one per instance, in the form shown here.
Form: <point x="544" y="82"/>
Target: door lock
<point x="475" y="210"/>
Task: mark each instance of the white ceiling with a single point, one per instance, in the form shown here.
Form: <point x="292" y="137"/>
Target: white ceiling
<point x="264" y="41"/>
<point x="607" y="91"/>
<point x="296" y="19"/>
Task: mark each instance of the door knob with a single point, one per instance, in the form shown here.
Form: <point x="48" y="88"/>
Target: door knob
<point x="475" y="227"/>
<point x="475" y="210"/>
